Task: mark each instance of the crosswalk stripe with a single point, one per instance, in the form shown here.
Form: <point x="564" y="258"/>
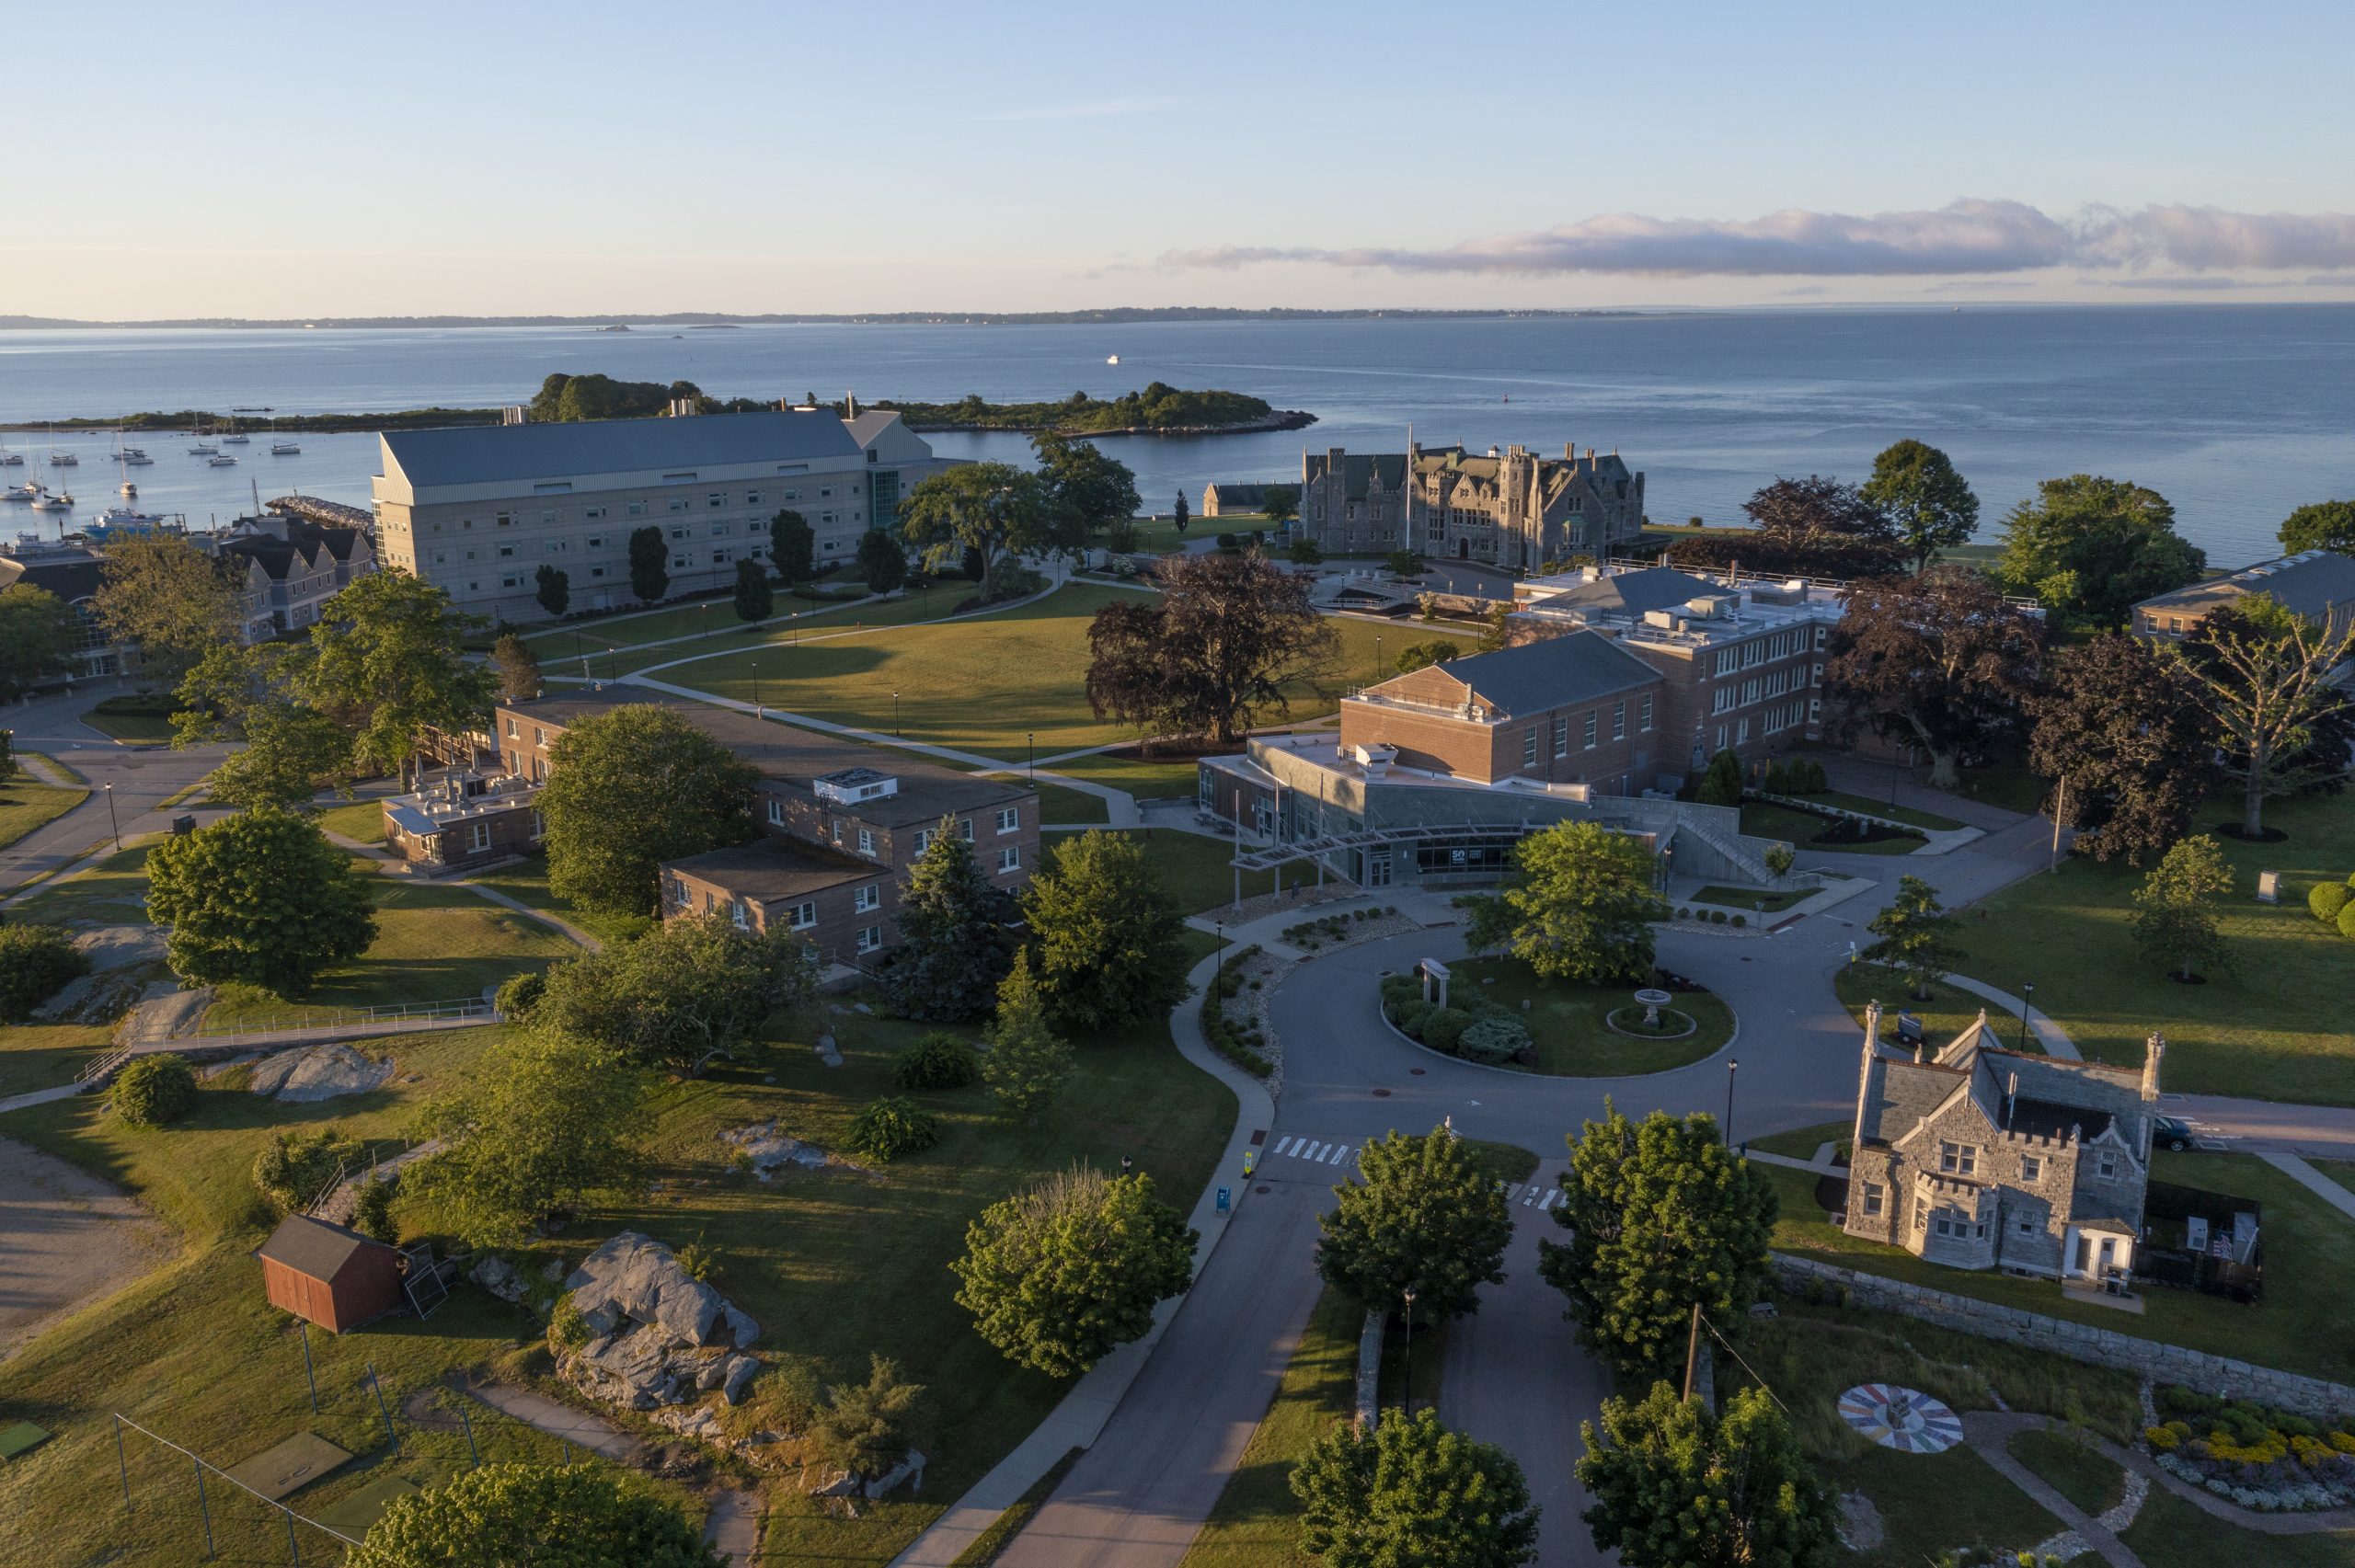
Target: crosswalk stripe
<point x="1341" y="1155"/>
<point x="1551" y="1195"/>
<point x="1285" y="1147"/>
<point x="1318" y="1152"/>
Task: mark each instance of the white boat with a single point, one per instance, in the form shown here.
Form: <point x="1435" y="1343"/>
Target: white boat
<point x="129" y="490"/>
<point x="284" y="449"/>
<point x="137" y="458"/>
<point x="46" y="502"/>
<point x="1112" y="358"/>
<point x="63" y="459"/>
<point x="204" y="449"/>
<point x="124" y="518"/>
<point x="25" y="492"/>
<point x="220" y="459"/>
<point x="10" y="459"/>
<point x="236" y="438"/>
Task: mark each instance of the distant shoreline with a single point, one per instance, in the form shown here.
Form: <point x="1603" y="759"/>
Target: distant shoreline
<point x="682" y="321"/>
<point x="185" y="423"/>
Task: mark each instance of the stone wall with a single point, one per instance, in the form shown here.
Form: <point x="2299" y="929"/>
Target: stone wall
<point x="2220" y="1374"/>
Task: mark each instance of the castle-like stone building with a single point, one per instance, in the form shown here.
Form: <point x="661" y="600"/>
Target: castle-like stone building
<point x="1511" y="508"/>
<point x="1979" y="1157"/>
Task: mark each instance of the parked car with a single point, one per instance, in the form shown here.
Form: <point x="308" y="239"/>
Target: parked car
<point x="2168" y="1132"/>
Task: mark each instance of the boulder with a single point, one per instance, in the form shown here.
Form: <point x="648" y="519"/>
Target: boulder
<point x="768" y="1148"/>
<point x="913" y="1466"/>
<point x="825" y="1481"/>
<point x="496" y="1275"/>
<point x="739" y="1373"/>
<point x="119" y="946"/>
<point x="323" y="1072"/>
<point x="637" y="1277"/>
<point x="654" y="1329"/>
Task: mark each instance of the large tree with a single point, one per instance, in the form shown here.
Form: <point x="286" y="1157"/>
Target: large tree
<point x="1677" y="1485"/>
<point x="992" y="507"/>
<point x="1939" y="661"/>
<point x="553" y="589"/>
<point x="172" y="599"/>
<point x="547" y="1120"/>
<point x="754" y="602"/>
<point x="291" y="750"/>
<point x="2122" y="729"/>
<point x="793" y="547"/>
<point x="2324" y="526"/>
<point x="955" y="941"/>
<point x="1578" y="906"/>
<point x="1086" y="491"/>
<point x="41" y="638"/>
<point x="387" y="660"/>
<point x="1217" y="648"/>
<point x="2090" y="548"/>
<point x="1817" y="506"/>
<point x="650" y="565"/>
<point x="2176" y="916"/>
<point x="1110" y="940"/>
<point x="1280" y="503"/>
<point x="518" y="667"/>
<point x="1931" y="507"/>
<point x="882" y="560"/>
<point x="1427" y="1214"/>
<point x="2261" y="673"/>
<point x="1661" y="1216"/>
<point x="1916" y="936"/>
<point x="1057" y="1277"/>
<point x="630" y="788"/>
<point x="261" y="897"/>
<point x="693" y="988"/>
<point x="1410" y="1493"/>
<point x="1027" y="1065"/>
<point x="501" y="1516"/>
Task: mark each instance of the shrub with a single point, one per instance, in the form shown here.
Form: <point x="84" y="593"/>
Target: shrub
<point x="1683" y="914"/>
<point x="153" y="1090"/>
<point x="519" y="996"/>
<point x="1779" y="859"/>
<point x="1443" y="1028"/>
<point x="1396" y="989"/>
<point x="36" y="963"/>
<point x="294" y="1167"/>
<point x="2161" y="1439"/>
<point x="1409" y="1015"/>
<point x="1228" y="541"/>
<point x="1716" y="917"/>
<point x="372" y="1211"/>
<point x="892" y="1127"/>
<point x="2188" y="1402"/>
<point x="697" y="1261"/>
<point x="2325" y="900"/>
<point x="1741" y="920"/>
<point x="939" y="1061"/>
<point x="568" y="1330"/>
<point x="1493" y="1040"/>
<point x="1810" y="780"/>
<point x="2347" y="923"/>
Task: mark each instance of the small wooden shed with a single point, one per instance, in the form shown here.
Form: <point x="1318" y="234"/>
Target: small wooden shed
<point x="338" y="1279"/>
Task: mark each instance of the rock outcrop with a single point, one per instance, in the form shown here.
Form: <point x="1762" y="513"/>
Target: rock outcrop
<point x="768" y="1148"/>
<point x="658" y="1335"/>
<point x="323" y="1072"/>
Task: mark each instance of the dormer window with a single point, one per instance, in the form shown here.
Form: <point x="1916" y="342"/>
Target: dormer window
<point x="2106" y="1165"/>
<point x="1959" y="1159"/>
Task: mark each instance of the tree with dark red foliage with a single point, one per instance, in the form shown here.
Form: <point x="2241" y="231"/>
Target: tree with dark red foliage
<point x="1941" y="660"/>
<point x="1225" y="636"/>
<point x="2123" y="731"/>
<point x="1793" y="509"/>
<point x="1810" y="527"/>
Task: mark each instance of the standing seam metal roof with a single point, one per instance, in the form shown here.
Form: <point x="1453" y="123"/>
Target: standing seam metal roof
<point x="482" y="454"/>
<point x="1551" y="673"/>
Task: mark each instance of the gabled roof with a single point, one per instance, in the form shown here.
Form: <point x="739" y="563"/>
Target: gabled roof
<point x="488" y="455"/>
<point x="2311" y="584"/>
<point x="314" y="1247"/>
<point x="1550" y="673"/>
<point x="871" y="424"/>
<point x="1358" y="470"/>
<point x="1632" y="593"/>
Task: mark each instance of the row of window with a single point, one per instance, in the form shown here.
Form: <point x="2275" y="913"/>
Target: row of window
<point x="1773" y="721"/>
<point x="1759" y="651"/>
<point x="712" y="500"/>
<point x="1590" y="729"/>
<point x="802" y="916"/>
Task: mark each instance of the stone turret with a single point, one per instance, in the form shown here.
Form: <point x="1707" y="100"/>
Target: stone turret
<point x="1868" y="1078"/>
<point x="2155" y="1051"/>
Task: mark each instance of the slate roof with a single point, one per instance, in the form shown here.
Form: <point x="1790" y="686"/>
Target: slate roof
<point x="489" y="454"/>
<point x="770" y="869"/>
<point x="1357" y="470"/>
<point x="1908" y="1091"/>
<point x="2313" y="584"/>
<point x="314" y="1247"/>
<point x="1550" y="673"/>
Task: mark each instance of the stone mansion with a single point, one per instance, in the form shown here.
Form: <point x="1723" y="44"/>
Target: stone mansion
<point x="1511" y="508"/>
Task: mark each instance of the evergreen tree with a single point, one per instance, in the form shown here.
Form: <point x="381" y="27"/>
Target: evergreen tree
<point x="1676" y="1486"/>
<point x="1721" y="785"/>
<point x="864" y="1428"/>
<point x="793" y="547"/>
<point x="1916" y="936"/>
<point x="1026" y="1066"/>
<point x="883" y="560"/>
<point x="504" y="1514"/>
<point x="555" y="590"/>
<point x="1427" y="1214"/>
<point x="2176" y="913"/>
<point x="1661" y="1216"/>
<point x="1578" y="906"/>
<point x="261" y="897"/>
<point x="955" y="947"/>
<point x="1410" y="1493"/>
<point x="518" y="667"/>
<point x="650" y="565"/>
<point x="1181" y="513"/>
<point x="1497" y="635"/>
<point x="754" y="602"/>
<point x="1110" y="941"/>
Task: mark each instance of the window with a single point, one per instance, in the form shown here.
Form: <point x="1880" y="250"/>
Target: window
<point x="923" y="839"/>
<point x="539" y="824"/>
<point x="1562" y="735"/>
<point x="802" y="916"/>
<point x="870" y="937"/>
<point x="1643" y="713"/>
<point x="965" y="828"/>
<point x="2106" y="1165"/>
<point x="1009" y="859"/>
<point x="867" y="842"/>
<point x="717" y="499"/>
<point x="1009" y="818"/>
<point x="740" y="916"/>
<point x="2031" y="1168"/>
<point x="1960" y="1159"/>
<point x="777" y="812"/>
<point x="1722" y="700"/>
<point x="678" y="503"/>
<point x="539" y="736"/>
<point x="1619" y="720"/>
<point x="477" y="837"/>
<point x="1822" y="635"/>
<point x="505" y="520"/>
<point x="2026" y="1225"/>
<point x="592" y="514"/>
<point x="751" y="497"/>
<point x="1590" y="732"/>
<point x="1721" y="737"/>
<point x="1750" y="691"/>
<point x="1873" y="1193"/>
<point x="511" y="729"/>
<point x="638" y="509"/>
<point x="1740" y="731"/>
<point x="1921" y="1213"/>
<point x="1529" y="746"/>
<point x="870" y="897"/>
<point x="678" y="533"/>
<point x="596" y="571"/>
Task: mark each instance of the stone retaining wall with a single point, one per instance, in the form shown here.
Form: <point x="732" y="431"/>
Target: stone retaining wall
<point x="2220" y="1375"/>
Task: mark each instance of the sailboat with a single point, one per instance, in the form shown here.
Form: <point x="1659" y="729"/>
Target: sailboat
<point x="61" y="458"/>
<point x="236" y="437"/>
<point x="63" y="501"/>
<point x="10" y="459"/>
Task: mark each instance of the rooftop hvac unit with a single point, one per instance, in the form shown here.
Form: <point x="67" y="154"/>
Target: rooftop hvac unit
<point x="1709" y="607"/>
<point x="1660" y="618"/>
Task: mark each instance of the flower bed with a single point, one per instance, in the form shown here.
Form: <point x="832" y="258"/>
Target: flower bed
<point x="2256" y="1456"/>
<point x="1357" y="925"/>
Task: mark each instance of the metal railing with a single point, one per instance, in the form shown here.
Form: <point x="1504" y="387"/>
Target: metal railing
<point x="348" y="1018"/>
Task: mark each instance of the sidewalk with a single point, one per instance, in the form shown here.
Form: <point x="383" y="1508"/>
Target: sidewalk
<point x="2313" y="1181"/>
<point x="2051" y="1035"/>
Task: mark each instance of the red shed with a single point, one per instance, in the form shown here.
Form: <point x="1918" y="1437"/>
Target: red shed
<point x="338" y="1279"/>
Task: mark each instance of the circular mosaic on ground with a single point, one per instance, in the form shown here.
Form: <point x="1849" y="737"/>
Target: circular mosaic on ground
<point x="1906" y="1419"/>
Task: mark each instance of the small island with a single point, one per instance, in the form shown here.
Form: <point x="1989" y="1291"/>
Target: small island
<point x="1160" y="409"/>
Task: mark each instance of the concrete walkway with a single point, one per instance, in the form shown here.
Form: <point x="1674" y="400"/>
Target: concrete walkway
<point x="578" y="1427"/>
<point x="789" y="618"/>
<point x="2313" y="1181"/>
<point x="2051" y="1035"/>
<point x="1990" y="1432"/>
<point x="1080" y="1419"/>
<point x="1982" y="1425"/>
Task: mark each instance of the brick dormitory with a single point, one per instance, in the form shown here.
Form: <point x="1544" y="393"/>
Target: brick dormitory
<point x="834" y="830"/>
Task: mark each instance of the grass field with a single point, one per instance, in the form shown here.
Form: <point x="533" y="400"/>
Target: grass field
<point x="993" y="684"/>
<point x="1948" y="1013"/>
<point x="2274" y="1027"/>
<point x="1872" y="808"/>
<point x="562" y="654"/>
<point x="42" y="1055"/>
<point x="2298" y="1326"/>
<point x="362" y="820"/>
<point x="2075" y="1470"/>
<point x="1195" y="870"/>
<point x="26" y="804"/>
<point x="1755" y="899"/>
<point x="113" y="892"/>
<point x="2172" y="1533"/>
<point x="1567" y="1021"/>
<point x="1764" y="819"/>
<point x="1146" y="780"/>
<point x="433" y="943"/>
<point x="1256" y="1521"/>
<point x="1800" y="1143"/>
<point x="1059" y="807"/>
<point x="598" y="633"/>
<point x="527" y="882"/>
<point x="136" y="719"/>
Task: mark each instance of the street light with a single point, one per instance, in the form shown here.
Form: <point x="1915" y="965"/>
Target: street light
<point x="613" y="665"/>
<point x="756" y="685"/>
<point x="111" y="819"/>
<point x="2028" y="995"/>
<point x="1030" y="739"/>
<point x="1731" y="1068"/>
<point x="1222" y="943"/>
<point x="1377" y="655"/>
<point x="895" y="715"/>
<point x="1407" y="1393"/>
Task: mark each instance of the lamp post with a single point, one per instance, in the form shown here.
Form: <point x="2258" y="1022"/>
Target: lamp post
<point x="1731" y="1068"/>
<point x="756" y="687"/>
<point x="1407" y="1393"/>
<point x="113" y="820"/>
<point x="2027" y="997"/>
<point x="895" y="715"/>
<point x="1377" y="655"/>
<point x="613" y="665"/>
<point x="1030" y="739"/>
<point x="1222" y="945"/>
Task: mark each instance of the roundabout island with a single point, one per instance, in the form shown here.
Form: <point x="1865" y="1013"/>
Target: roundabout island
<point x="1500" y="1012"/>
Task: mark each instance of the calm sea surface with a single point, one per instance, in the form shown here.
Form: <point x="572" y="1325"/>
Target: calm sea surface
<point x="2236" y="414"/>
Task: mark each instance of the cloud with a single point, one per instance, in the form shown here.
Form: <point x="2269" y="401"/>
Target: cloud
<point x="1098" y="110"/>
<point x="1963" y="237"/>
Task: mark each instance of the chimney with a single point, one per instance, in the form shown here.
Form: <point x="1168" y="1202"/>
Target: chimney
<point x="850" y="405"/>
<point x="1868" y="1084"/>
<point x="2154" y="1050"/>
<point x="1569" y="452"/>
<point x="1589" y="457"/>
<point x="2011" y="1098"/>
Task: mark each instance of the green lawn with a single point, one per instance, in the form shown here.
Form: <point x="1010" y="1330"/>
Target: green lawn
<point x="26" y="804"/>
<point x="42" y="1055"/>
<point x="138" y="718"/>
<point x="2074" y="1470"/>
<point x="1567" y="1021"/>
<point x="113" y="892"/>
<point x="1147" y="780"/>
<point x="1801" y="1143"/>
<point x="2299" y="1326"/>
<point x="362" y="820"/>
<point x="2274" y="1027"/>
<point x="598" y="633"/>
<point x="1755" y="899"/>
<point x="433" y="943"/>
<point x="1256" y="1521"/>
<point x="2339" y="1171"/>
<point x="1194" y="869"/>
<point x="1948" y="1013"/>
<point x="561" y="653"/>
<point x="527" y="882"/>
<point x="1764" y="819"/>
<point x="1872" y="808"/>
<point x="1060" y="807"/>
<point x="2172" y="1533"/>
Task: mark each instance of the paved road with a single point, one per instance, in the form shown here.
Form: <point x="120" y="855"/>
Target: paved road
<point x="144" y="777"/>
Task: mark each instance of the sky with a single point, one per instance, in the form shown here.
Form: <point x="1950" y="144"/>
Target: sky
<point x="284" y="161"/>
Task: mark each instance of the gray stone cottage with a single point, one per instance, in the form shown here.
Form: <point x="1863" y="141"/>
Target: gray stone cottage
<point x="1980" y="1157"/>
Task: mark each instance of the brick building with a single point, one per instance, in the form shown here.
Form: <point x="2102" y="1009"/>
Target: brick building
<point x="2318" y="584"/>
<point x="837" y="825"/>
<point x="1511" y="508"/>
<point x="1980" y="1157"/>
<point x="465" y="822"/>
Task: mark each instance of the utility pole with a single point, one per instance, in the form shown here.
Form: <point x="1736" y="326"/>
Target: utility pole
<point x="2060" y="811"/>
<point x="1692" y="1350"/>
